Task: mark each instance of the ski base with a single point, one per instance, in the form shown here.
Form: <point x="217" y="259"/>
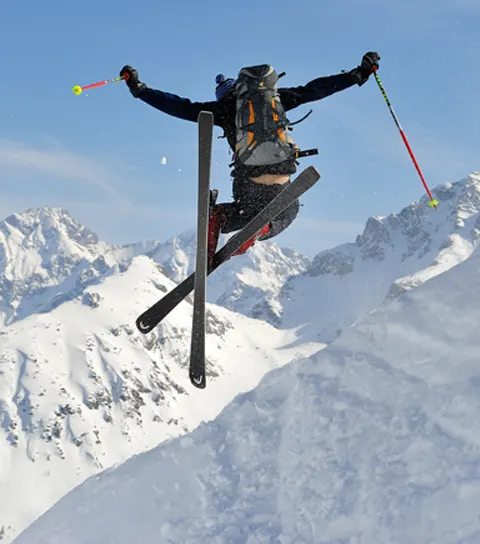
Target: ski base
<point x="197" y="347"/>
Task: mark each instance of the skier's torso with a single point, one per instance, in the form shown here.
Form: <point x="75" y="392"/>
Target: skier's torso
<point x="224" y="112"/>
<point x="224" y="117"/>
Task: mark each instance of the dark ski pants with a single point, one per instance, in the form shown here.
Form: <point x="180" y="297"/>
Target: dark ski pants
<point x="249" y="199"/>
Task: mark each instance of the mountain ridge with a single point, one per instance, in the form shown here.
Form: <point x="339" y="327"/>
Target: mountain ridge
<point x="374" y="439"/>
<point x="69" y="340"/>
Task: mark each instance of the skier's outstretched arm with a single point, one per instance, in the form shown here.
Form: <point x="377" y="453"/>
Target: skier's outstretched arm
<point x="169" y="103"/>
<point x="325" y="86"/>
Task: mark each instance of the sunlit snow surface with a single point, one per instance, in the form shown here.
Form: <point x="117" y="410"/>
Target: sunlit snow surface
<point x="81" y="389"/>
<point x="374" y="440"/>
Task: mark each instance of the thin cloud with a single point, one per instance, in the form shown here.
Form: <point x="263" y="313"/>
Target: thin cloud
<point x="61" y="164"/>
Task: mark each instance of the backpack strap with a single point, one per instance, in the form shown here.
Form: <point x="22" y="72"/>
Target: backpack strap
<point x="307" y="153"/>
<point x="300" y="120"/>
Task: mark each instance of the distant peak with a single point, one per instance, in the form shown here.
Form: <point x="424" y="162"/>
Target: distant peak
<point x="33" y="216"/>
<point x="47" y="218"/>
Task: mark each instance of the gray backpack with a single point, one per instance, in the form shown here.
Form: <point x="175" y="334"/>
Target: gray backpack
<point x="261" y="124"/>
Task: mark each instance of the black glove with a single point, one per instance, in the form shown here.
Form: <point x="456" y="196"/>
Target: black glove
<point x="368" y="65"/>
<point x="132" y="81"/>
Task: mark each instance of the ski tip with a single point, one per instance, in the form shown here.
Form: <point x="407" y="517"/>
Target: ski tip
<point x="198" y="380"/>
<point x="312" y="171"/>
<point x="142" y="326"/>
<point x="205" y="116"/>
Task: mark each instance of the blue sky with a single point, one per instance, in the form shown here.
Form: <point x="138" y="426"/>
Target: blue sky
<point x="99" y="154"/>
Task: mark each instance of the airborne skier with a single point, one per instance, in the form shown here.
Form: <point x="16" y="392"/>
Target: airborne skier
<point x="260" y="170"/>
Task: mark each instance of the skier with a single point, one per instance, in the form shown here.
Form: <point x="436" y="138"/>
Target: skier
<point x="253" y="186"/>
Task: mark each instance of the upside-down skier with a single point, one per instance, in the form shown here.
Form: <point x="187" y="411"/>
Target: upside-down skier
<point x="256" y="181"/>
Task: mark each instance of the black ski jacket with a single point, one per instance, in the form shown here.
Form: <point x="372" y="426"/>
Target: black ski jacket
<point x="224" y="110"/>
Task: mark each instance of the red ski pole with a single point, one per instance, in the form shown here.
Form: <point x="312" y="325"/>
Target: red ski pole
<point x="78" y="89"/>
<point x="433" y="203"/>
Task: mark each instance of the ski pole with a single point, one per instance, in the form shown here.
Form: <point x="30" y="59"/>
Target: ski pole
<point x="433" y="203"/>
<point x="78" y="90"/>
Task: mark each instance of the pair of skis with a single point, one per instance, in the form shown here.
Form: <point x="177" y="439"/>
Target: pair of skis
<point x="197" y="281"/>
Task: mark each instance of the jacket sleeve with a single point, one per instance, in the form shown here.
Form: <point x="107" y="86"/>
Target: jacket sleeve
<point x="315" y="90"/>
<point x="174" y="105"/>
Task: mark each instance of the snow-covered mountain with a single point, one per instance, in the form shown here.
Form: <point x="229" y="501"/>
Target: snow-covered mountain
<point x="81" y="389"/>
<point x="39" y="250"/>
<point x="322" y="297"/>
<point x="279" y="285"/>
<point x="47" y="258"/>
<point x="374" y="440"/>
<point x="72" y="366"/>
<point x="392" y="255"/>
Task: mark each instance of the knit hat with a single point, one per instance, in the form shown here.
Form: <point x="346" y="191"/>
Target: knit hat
<point x="224" y="86"/>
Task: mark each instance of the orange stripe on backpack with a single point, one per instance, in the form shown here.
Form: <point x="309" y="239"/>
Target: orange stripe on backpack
<point x="251" y="118"/>
<point x="275" y="116"/>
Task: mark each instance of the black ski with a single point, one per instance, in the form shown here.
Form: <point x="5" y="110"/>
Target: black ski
<point x="197" y="349"/>
<point x="304" y="181"/>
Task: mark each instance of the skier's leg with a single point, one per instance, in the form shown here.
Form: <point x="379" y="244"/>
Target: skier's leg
<point x="217" y="221"/>
<point x="228" y="218"/>
<point x="250" y="198"/>
<point x="249" y="243"/>
<point x="274" y="228"/>
<point x="282" y="221"/>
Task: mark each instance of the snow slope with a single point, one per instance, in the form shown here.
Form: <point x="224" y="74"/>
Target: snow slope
<point x="81" y="389"/>
<point x="393" y="255"/>
<point x="374" y="440"/>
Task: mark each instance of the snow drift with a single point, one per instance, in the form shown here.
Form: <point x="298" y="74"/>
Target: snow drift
<point x="81" y="389"/>
<point x="373" y="440"/>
